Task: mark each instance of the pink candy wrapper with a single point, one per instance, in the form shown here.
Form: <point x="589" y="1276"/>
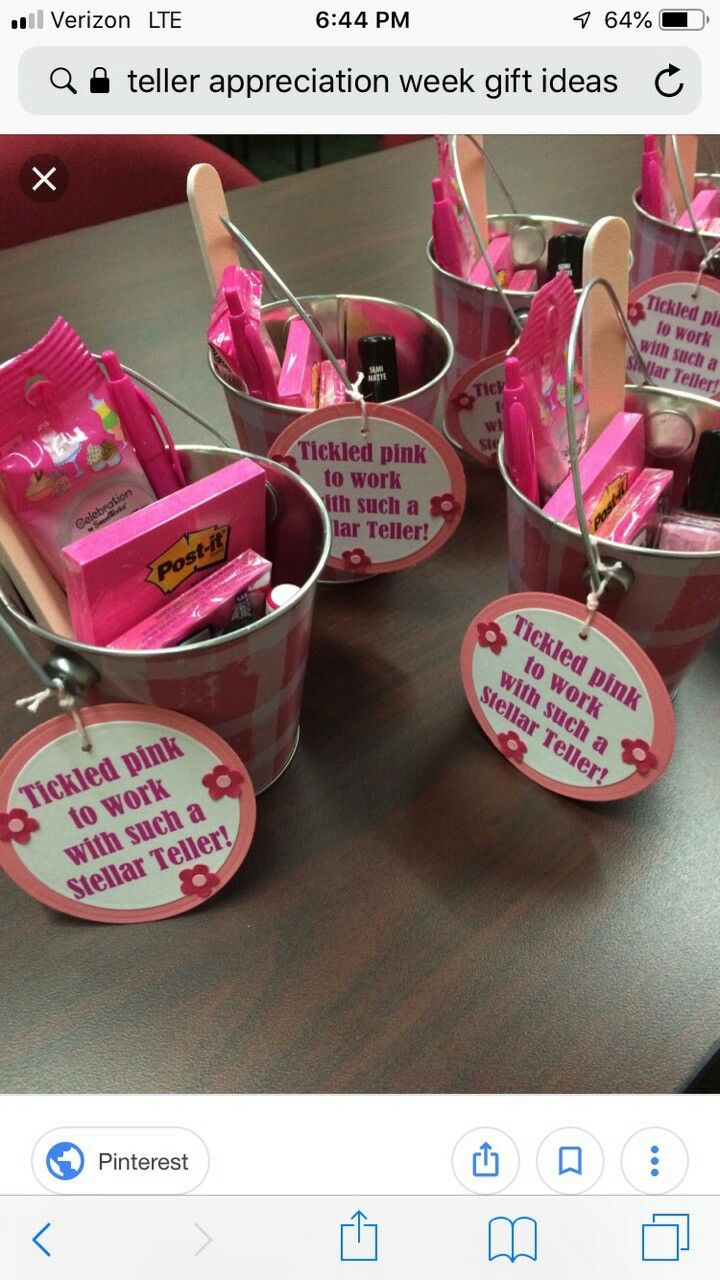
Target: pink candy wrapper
<point x="329" y="386"/>
<point x="230" y="597"/>
<point x="65" y="463"/>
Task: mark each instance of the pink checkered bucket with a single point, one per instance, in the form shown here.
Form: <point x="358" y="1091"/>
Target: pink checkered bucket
<point x="247" y="686"/>
<point x="668" y="601"/>
<point x="475" y="315"/>
<point x="660" y="247"/>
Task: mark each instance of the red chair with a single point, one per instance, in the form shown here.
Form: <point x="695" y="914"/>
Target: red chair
<point x="388" y="140"/>
<point x="110" y="176"/>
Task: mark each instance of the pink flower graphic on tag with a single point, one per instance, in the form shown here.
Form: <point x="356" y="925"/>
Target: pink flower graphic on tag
<point x="445" y="505"/>
<point x="512" y="746"/>
<point x="223" y="781"/>
<point x="636" y="312"/>
<point x="17" y="825"/>
<point x="287" y="460"/>
<point x="357" y="559"/>
<point x="491" y="636"/>
<point x="198" y="881"/>
<point x="464" y="402"/>
<point x="636" y="751"/>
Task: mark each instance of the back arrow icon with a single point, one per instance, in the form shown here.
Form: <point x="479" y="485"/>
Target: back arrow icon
<point x="669" y="70"/>
<point x="208" y="1240"/>
<point x="36" y="1239"/>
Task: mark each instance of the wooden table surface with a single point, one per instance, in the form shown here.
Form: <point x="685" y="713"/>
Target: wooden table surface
<point x="413" y="914"/>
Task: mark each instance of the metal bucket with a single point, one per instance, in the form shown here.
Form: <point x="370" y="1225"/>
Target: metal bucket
<point x="660" y="247"/>
<point x="474" y="314"/>
<point x="247" y="686"/>
<point x="424" y="355"/>
<point x="668" y="601"/>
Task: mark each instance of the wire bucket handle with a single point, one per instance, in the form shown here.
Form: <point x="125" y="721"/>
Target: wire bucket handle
<point x="687" y="196"/>
<point x="516" y="324"/>
<point x="599" y="572"/>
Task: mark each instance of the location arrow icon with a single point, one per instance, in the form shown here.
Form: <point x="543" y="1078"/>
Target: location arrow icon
<point x="583" y="18"/>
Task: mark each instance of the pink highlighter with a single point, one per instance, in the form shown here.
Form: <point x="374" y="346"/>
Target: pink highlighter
<point x="144" y="428"/>
<point x="252" y="358"/>
<point x="302" y="353"/>
<point x="654" y="193"/>
<point x="447" y="236"/>
<point x="517" y="433"/>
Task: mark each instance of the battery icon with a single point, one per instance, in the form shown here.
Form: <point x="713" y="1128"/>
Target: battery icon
<point x="682" y="19"/>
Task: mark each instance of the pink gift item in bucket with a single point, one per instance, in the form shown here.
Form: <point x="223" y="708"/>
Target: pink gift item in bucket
<point x="424" y="353"/>
<point x="668" y="601"/>
<point x="247" y="685"/>
<point x="475" y="315"/>
<point x="660" y="245"/>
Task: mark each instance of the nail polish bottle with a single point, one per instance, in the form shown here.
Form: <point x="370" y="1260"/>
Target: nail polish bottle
<point x="378" y="361"/>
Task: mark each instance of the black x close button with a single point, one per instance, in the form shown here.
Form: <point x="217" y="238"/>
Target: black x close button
<point x="44" y="178"/>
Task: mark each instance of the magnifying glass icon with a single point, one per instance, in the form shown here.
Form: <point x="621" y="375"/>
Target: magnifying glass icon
<point x="61" y="78"/>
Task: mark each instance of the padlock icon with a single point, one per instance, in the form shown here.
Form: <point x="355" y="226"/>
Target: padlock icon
<point x="100" y="81"/>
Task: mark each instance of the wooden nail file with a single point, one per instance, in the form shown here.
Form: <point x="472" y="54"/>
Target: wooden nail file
<point x="207" y="205"/>
<point x="604" y="347"/>
<point x="31" y="577"/>
<point x="687" y="145"/>
<point x="472" y="168"/>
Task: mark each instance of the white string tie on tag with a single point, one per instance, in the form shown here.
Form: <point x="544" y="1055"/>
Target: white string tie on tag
<point x="66" y="702"/>
<point x="606" y="573"/>
<point x="357" y="397"/>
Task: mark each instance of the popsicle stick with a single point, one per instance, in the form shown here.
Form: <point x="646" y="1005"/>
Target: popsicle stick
<point x="687" y="144"/>
<point x="604" y="351"/>
<point x="472" y="168"/>
<point x="31" y="577"/>
<point x="208" y="205"/>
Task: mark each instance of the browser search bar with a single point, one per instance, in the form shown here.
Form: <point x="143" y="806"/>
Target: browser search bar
<point x="369" y="81"/>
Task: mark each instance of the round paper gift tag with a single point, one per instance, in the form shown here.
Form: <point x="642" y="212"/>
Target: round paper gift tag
<point x="676" y="325"/>
<point x="150" y="822"/>
<point x="589" y="718"/>
<point x="473" y="413"/>
<point x="394" y="494"/>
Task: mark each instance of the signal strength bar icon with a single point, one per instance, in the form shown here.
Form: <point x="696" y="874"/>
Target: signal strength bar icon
<point x="33" y="22"/>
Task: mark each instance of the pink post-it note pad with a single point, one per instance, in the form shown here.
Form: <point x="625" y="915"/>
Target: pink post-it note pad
<point x="119" y="575"/>
<point x="607" y="470"/>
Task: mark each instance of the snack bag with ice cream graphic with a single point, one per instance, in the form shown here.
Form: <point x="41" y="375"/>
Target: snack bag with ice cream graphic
<point x="65" y="464"/>
<point x="542" y="353"/>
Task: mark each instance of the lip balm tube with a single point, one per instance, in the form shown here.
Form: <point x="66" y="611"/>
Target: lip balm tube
<point x="378" y="361"/>
<point x="282" y="594"/>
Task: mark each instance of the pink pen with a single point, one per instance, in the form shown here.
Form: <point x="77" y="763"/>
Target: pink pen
<point x="517" y="433"/>
<point x="144" y="427"/>
<point x="251" y="356"/>
<point x="447" y="237"/>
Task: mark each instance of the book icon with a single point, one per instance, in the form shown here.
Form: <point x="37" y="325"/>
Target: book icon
<point x="512" y="1238"/>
